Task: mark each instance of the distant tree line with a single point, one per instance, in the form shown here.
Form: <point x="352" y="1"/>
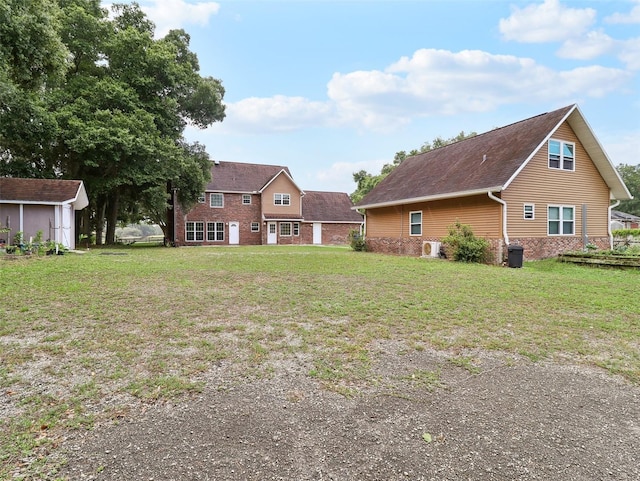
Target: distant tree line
<point x="97" y="98"/>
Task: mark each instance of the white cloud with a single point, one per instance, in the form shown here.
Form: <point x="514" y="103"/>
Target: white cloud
<point x="276" y="114"/>
<point x="591" y="45"/>
<point x="630" y="53"/>
<point x="431" y="82"/>
<point x="549" y="21"/>
<point x="174" y="14"/>
<point x="339" y="176"/>
<point x="632" y="17"/>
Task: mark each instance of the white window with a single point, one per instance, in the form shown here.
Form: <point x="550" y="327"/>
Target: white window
<point x="216" y="200"/>
<point x="285" y="229"/>
<point x="215" y="231"/>
<point x="194" y="231"/>
<point x="529" y="211"/>
<point x="561" y="220"/>
<point x="255" y="227"/>
<point x="296" y="228"/>
<point x="246" y="199"/>
<point x="561" y="155"/>
<point x="281" y="199"/>
<point x="415" y="223"/>
<point x="201" y="198"/>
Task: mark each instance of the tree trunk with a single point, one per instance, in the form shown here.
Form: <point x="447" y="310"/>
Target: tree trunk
<point x="100" y="210"/>
<point x="112" y="217"/>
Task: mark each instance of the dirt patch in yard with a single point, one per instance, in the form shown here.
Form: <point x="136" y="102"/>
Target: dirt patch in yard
<point x="424" y="415"/>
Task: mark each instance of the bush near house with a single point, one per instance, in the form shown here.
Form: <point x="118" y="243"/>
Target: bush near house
<point x="464" y="245"/>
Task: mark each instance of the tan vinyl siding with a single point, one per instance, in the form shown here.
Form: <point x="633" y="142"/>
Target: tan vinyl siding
<point x="281" y="185"/>
<point x="539" y="185"/>
<point x="480" y="212"/>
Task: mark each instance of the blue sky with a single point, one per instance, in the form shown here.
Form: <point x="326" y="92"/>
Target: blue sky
<point x="328" y="88"/>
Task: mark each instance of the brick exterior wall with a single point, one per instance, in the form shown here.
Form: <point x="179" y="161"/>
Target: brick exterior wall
<point x="235" y="211"/>
<point x="534" y="248"/>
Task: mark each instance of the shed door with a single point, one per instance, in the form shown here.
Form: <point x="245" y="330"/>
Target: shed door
<point x="317" y="233"/>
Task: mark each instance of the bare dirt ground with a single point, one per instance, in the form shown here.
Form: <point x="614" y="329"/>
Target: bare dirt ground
<point x="512" y="420"/>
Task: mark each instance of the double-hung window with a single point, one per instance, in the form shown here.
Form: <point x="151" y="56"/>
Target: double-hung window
<point x="285" y="229"/>
<point x="246" y="199"/>
<point x="216" y="200"/>
<point x="415" y="223"/>
<point x="201" y="198"/>
<point x="281" y="199"/>
<point x="296" y="228"/>
<point x="255" y="227"/>
<point x="194" y="231"/>
<point x="561" y="220"/>
<point x="215" y="231"/>
<point x="561" y="155"/>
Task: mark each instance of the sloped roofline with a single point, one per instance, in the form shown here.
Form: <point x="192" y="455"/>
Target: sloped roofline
<point x="283" y="171"/>
<point x="429" y="198"/>
<point x="80" y="200"/>
<point x="574" y="117"/>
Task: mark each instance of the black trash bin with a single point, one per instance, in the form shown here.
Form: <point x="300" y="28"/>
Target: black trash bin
<point x="515" y="255"/>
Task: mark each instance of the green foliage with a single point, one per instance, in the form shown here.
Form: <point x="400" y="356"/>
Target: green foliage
<point x="466" y="247"/>
<point x="631" y="176"/>
<point x="624" y="233"/>
<point x="95" y="98"/>
<point x="356" y="241"/>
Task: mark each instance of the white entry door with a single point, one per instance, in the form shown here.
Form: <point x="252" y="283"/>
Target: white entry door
<point x="317" y="233"/>
<point x="272" y="233"/>
<point x="234" y="233"/>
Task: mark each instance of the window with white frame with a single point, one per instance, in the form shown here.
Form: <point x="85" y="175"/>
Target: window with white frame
<point x="246" y="199"/>
<point x="194" y="231"/>
<point x="281" y="199"/>
<point x="215" y="231"/>
<point x="285" y="229"/>
<point x="201" y="198"/>
<point x="529" y="211"/>
<point x="415" y="223"/>
<point x="561" y="155"/>
<point x="296" y="228"/>
<point x="255" y="227"/>
<point x="561" y="219"/>
<point x="216" y="200"/>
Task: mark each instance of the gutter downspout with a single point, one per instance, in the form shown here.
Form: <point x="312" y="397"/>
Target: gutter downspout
<point x="611" y="207"/>
<point x="504" y="215"/>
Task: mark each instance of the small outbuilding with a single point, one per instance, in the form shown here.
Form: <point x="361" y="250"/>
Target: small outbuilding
<point x="47" y="205"/>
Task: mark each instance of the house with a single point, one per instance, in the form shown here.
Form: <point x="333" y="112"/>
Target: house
<point x="544" y="184"/>
<point x="255" y="204"/>
<point x="622" y="220"/>
<point x="47" y="205"/>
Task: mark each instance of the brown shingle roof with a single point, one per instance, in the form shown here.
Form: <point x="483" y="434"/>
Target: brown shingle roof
<point x="44" y="191"/>
<point x="328" y="207"/>
<point x="486" y="161"/>
<point x="241" y="177"/>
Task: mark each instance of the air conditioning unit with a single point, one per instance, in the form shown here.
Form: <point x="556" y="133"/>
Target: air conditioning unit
<point x="430" y="249"/>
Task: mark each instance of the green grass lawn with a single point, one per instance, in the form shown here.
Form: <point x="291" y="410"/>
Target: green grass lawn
<point x="76" y="330"/>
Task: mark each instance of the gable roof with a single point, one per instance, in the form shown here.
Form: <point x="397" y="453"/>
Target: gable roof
<point x="487" y="162"/>
<point x="329" y="207"/>
<point x="242" y="177"/>
<point x="43" y="191"/>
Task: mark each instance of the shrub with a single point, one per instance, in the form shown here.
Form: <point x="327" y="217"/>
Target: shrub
<point x="465" y="246"/>
<point x="357" y="242"/>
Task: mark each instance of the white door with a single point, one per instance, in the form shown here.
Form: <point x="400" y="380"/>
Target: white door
<point x="234" y="233"/>
<point x="272" y="236"/>
<point x="317" y="233"/>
